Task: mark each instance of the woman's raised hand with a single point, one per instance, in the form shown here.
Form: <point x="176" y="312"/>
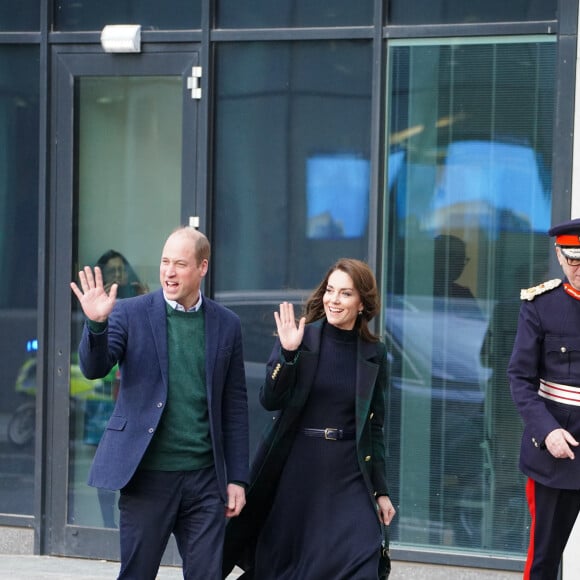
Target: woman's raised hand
<point x="290" y="333"/>
<point x="94" y="300"/>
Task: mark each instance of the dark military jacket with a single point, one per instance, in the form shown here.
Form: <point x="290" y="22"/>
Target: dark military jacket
<point x="547" y="346"/>
<point x="285" y="392"/>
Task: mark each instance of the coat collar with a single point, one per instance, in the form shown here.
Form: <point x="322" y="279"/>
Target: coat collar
<point x="365" y="350"/>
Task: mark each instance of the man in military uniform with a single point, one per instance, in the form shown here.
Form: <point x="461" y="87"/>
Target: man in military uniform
<point x="544" y="374"/>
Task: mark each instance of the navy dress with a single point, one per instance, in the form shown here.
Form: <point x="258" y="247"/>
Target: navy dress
<point x="323" y="524"/>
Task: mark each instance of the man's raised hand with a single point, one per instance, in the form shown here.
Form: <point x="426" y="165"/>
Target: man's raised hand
<point x="92" y="296"/>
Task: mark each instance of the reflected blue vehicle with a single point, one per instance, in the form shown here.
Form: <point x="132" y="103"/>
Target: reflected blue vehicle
<point x="439" y="341"/>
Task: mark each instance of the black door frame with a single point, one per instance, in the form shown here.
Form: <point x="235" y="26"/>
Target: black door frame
<point x="70" y="62"/>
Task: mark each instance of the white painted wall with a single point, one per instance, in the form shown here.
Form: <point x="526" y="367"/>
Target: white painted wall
<point x="571" y="559"/>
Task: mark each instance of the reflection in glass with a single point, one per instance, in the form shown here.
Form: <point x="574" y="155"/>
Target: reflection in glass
<point x="469" y="200"/>
<point x="288" y="113"/>
<point x="337" y="196"/>
<point x="18" y="269"/>
<point x="116" y="269"/>
<point x="129" y="152"/>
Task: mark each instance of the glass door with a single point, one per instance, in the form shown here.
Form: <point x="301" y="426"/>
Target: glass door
<point x="124" y="178"/>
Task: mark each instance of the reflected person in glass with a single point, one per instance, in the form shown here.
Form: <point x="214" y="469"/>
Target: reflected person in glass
<point x="117" y="270"/>
<point x="450" y="259"/>
<point x="318" y="497"/>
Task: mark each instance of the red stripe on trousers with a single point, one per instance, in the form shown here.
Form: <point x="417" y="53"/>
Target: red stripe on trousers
<point x="531" y="497"/>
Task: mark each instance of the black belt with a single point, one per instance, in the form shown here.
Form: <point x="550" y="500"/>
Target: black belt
<point x="330" y="433"/>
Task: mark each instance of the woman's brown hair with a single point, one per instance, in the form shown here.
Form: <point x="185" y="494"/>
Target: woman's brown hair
<point x="365" y="284"/>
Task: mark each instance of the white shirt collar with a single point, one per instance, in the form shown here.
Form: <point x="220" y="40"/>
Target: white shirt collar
<point x="176" y="306"/>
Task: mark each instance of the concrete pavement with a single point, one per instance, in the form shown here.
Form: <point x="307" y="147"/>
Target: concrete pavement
<point x="23" y="567"/>
<point x="56" y="568"/>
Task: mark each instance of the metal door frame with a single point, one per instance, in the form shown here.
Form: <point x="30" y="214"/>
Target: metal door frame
<point x="70" y="62"/>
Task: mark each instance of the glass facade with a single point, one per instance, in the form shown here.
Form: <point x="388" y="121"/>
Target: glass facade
<point x="325" y="129"/>
<point x="294" y="13"/>
<point x="471" y="12"/>
<point x="468" y="195"/>
<point x="19" y="129"/>
<point x="293" y="148"/>
<point x="71" y="15"/>
<point x="129" y="150"/>
<point x="291" y="175"/>
<point x="19" y="15"/>
<point x="468" y="202"/>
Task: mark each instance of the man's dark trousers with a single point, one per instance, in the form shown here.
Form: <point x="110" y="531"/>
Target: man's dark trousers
<point x="156" y="503"/>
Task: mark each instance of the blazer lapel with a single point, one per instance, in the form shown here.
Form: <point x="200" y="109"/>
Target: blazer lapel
<point x="212" y="332"/>
<point x="156" y="311"/>
<point x="310" y="354"/>
<point x="308" y="365"/>
<point x="366" y="375"/>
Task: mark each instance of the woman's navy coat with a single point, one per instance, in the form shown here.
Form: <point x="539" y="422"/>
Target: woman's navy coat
<point x="285" y="391"/>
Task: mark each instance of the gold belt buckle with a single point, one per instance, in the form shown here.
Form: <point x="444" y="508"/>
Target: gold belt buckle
<point x="329" y="432"/>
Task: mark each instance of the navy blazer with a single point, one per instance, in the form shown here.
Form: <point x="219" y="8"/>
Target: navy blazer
<point x="136" y="338"/>
<point x="547" y="346"/>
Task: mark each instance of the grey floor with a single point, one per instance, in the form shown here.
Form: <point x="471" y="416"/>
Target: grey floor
<point x="53" y="568"/>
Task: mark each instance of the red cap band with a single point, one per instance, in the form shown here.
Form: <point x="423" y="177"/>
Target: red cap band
<point x="568" y="240"/>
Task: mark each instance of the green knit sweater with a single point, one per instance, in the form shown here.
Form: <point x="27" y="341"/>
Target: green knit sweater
<point x="182" y="440"/>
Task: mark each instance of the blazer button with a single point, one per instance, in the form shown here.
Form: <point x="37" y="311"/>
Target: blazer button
<point x="535" y="442"/>
<point x="150" y="430"/>
<point x="371" y="416"/>
<point x="159" y="405"/>
<point x="563" y="349"/>
<point x="367" y="458"/>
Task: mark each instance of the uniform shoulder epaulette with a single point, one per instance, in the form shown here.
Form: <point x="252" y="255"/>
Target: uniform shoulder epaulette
<point x="531" y="293"/>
